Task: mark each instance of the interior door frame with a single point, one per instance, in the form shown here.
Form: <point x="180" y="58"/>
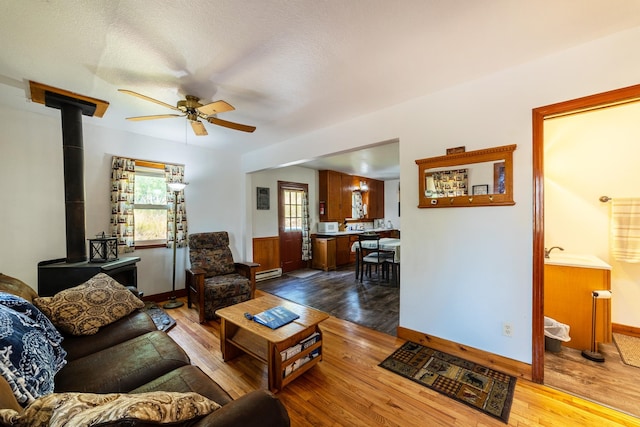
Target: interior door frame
<point x="587" y="103"/>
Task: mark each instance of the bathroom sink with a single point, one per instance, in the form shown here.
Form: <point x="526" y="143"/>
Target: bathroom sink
<point x="576" y="260"/>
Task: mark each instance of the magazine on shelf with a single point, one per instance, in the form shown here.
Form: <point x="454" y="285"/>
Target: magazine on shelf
<point x="288" y="370"/>
<point x="302" y="345"/>
<point x="275" y="317"/>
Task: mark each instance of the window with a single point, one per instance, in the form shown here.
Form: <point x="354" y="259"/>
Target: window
<point x="293" y="210"/>
<point x="150" y="205"/>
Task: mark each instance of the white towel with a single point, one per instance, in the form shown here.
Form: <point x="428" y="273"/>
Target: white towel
<point x="625" y="229"/>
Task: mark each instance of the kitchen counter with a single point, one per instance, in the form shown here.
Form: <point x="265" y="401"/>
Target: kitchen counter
<point x="355" y="232"/>
<point x="337" y="245"/>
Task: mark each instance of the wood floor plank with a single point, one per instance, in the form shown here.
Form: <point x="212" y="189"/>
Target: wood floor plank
<point x="337" y="292"/>
<point x="348" y="388"/>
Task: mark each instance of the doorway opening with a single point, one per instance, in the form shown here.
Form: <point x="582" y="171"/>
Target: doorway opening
<point x="593" y="102"/>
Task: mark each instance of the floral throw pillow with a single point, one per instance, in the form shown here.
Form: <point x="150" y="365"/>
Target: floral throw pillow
<point x="30" y="350"/>
<point x="84" y="309"/>
<point x="87" y="409"/>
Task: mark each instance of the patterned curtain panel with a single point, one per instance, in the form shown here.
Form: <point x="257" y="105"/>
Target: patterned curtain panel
<point x="175" y="173"/>
<point x="122" y="187"/>
<point x="306" y="227"/>
<point x="357" y="209"/>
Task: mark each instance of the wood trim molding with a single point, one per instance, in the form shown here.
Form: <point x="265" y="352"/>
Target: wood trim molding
<point x="38" y="91"/>
<point x="587" y="103"/>
<point x="490" y="360"/>
<point x="164" y="296"/>
<point x="625" y="330"/>
<point x="266" y="252"/>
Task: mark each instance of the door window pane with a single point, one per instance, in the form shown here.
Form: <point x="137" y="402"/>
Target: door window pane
<point x="293" y="210"/>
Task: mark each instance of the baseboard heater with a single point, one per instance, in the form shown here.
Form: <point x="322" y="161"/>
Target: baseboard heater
<point x="268" y="274"/>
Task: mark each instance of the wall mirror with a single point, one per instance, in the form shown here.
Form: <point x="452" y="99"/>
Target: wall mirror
<point x="473" y="178"/>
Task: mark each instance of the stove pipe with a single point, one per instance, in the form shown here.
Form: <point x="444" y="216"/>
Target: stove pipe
<point x="73" y="153"/>
<point x="71" y="111"/>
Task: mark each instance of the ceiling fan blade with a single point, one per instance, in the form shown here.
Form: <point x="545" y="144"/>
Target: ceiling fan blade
<point x="157" y="116"/>
<point x="198" y="128"/>
<point x="164" y="104"/>
<point x="215" y="107"/>
<point x="231" y="125"/>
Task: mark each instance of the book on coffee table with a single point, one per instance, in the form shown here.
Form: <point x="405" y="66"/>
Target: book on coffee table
<point x="275" y="317"/>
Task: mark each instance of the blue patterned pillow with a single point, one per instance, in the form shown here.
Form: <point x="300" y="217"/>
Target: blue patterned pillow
<point x="30" y="350"/>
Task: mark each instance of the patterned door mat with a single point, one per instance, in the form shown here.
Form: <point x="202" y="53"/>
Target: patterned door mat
<point x="475" y="385"/>
<point x="629" y="349"/>
<point x="163" y="321"/>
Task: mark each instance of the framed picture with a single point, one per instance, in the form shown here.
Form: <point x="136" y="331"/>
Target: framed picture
<point x="262" y="198"/>
<point x="478" y="190"/>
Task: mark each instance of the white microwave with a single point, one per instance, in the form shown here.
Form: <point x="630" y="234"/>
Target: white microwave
<point x="327" y="227"/>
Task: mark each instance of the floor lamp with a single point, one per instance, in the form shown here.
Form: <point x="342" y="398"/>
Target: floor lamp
<point x="176" y="187"/>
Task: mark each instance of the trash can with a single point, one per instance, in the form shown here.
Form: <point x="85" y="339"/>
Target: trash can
<point x="555" y="333"/>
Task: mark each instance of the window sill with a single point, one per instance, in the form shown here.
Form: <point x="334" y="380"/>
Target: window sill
<point x="151" y="246"/>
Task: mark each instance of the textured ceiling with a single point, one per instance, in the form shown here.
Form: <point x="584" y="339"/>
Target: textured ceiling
<point x="289" y="67"/>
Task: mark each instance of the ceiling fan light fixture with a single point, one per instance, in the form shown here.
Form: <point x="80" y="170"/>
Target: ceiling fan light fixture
<point x="193" y="110"/>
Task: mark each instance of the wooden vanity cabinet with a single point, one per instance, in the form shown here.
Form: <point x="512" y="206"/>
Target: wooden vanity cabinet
<point x="568" y="299"/>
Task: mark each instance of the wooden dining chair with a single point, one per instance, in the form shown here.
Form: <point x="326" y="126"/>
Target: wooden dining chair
<point x="372" y="255"/>
<point x="393" y="267"/>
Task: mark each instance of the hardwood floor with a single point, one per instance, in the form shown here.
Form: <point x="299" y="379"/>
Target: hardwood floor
<point x="611" y="383"/>
<point x="349" y="389"/>
<point x="338" y="293"/>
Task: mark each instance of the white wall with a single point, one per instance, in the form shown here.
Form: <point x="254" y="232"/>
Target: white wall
<point x="391" y="200"/>
<point x="467" y="270"/>
<point x="265" y="222"/>
<point x="590" y="155"/>
<point x="33" y="217"/>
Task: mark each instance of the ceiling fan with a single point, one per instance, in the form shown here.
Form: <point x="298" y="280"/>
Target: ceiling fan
<point x="193" y="110"/>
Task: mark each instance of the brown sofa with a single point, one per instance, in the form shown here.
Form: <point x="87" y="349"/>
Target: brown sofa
<point x="132" y="356"/>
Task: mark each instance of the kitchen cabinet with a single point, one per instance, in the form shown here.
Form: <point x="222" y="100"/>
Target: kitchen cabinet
<point x="343" y="250"/>
<point x="324" y="253"/>
<point x="375" y="199"/>
<point x="335" y="191"/>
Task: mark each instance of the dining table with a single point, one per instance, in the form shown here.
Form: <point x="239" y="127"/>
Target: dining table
<point x="386" y="244"/>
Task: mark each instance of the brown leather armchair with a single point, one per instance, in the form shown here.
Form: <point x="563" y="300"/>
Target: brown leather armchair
<point x="214" y="279"/>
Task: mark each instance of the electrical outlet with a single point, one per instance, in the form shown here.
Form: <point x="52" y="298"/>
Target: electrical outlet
<point x="507" y="329"/>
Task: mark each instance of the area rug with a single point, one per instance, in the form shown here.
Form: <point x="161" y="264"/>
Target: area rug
<point x="629" y="348"/>
<point x="475" y="385"/>
<point x="163" y="321"/>
<point x="303" y="274"/>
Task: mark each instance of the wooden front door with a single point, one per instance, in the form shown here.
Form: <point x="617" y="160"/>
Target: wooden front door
<point x="290" y="224"/>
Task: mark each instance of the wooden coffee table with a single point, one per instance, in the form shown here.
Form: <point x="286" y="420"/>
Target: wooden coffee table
<point x="239" y="335"/>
